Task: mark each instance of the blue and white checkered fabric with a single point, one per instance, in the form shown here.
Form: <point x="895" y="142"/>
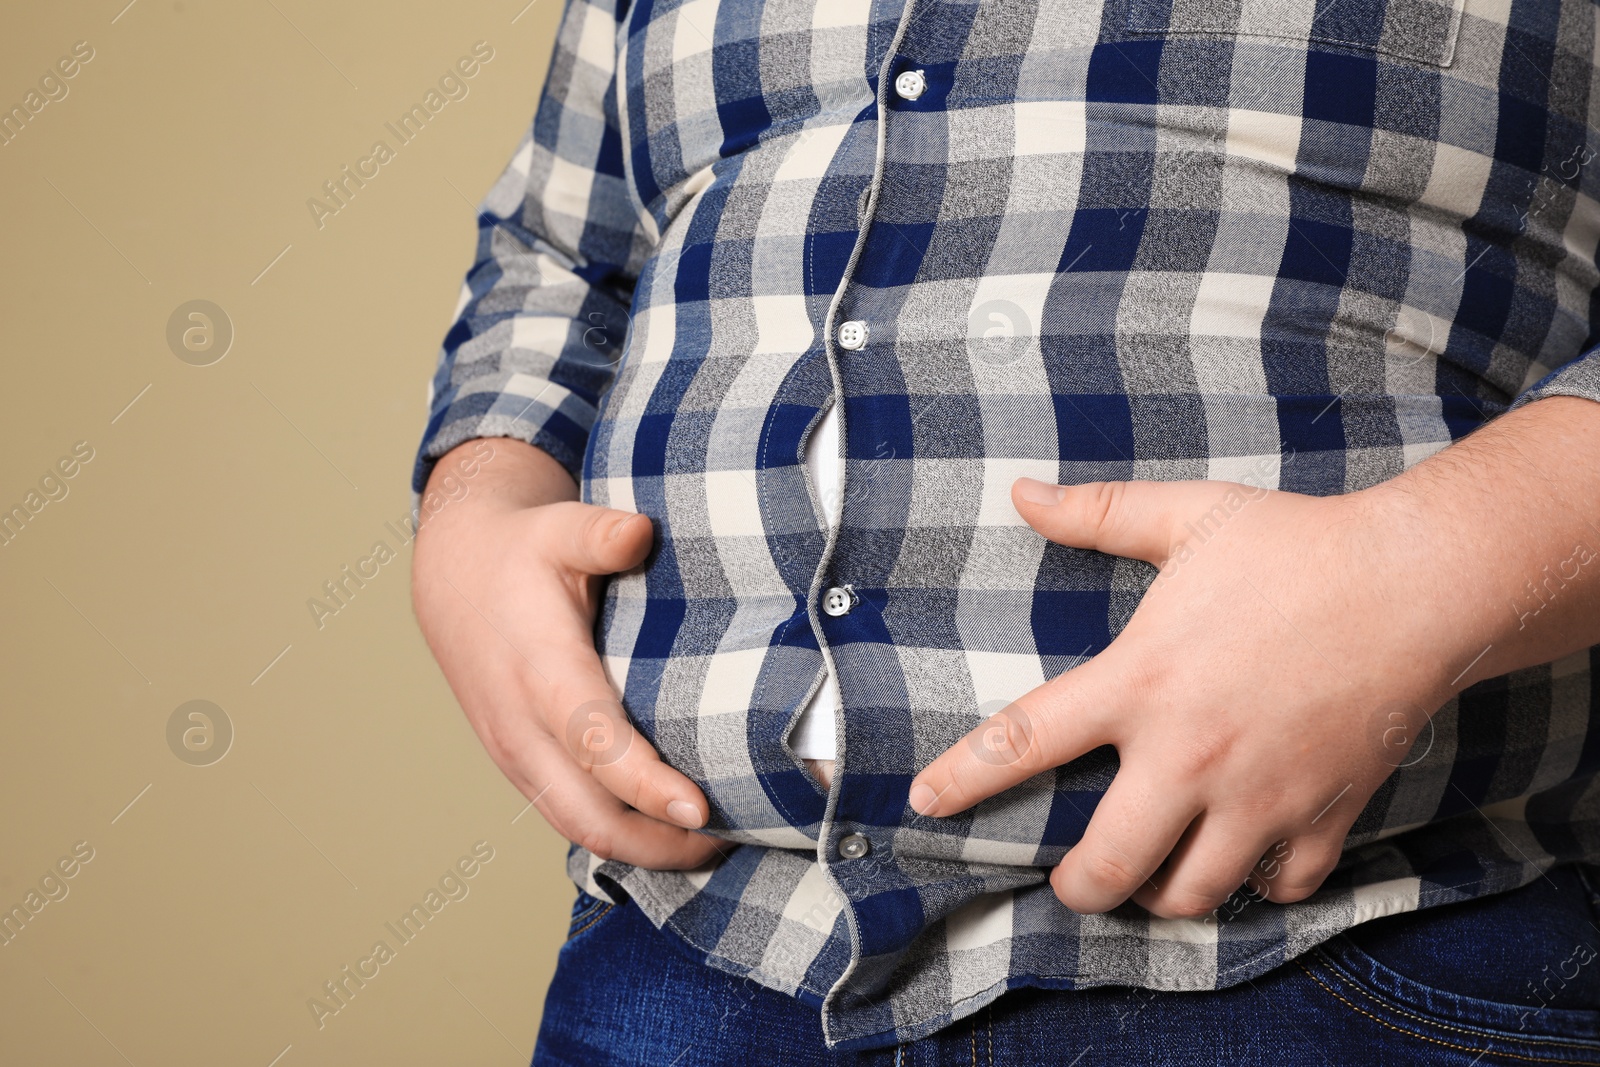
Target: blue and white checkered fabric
<point x="1294" y="244"/>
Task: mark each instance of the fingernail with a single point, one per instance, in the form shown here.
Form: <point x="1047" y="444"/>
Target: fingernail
<point x="1036" y="492"/>
<point x="922" y="798"/>
<point x="685" y="814"/>
<point x="616" y="532"/>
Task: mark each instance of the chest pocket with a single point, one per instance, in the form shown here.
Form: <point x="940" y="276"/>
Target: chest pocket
<point x="1422" y="31"/>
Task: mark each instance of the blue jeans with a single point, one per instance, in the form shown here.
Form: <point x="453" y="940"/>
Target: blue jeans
<point x="1510" y="979"/>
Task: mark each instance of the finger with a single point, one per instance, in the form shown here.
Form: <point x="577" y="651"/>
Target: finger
<point x="603" y="741"/>
<point x="573" y="702"/>
<point x="587" y="814"/>
<point x="1134" y="827"/>
<point x="1138" y="520"/>
<point x="1294" y="869"/>
<point x="595" y="540"/>
<point x="1211" y="862"/>
<point x="581" y="710"/>
<point x="1059" y="721"/>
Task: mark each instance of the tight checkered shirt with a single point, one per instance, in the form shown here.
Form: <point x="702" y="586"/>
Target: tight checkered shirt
<point x="1159" y="239"/>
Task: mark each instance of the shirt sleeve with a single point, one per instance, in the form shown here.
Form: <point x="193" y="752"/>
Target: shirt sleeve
<point x="1580" y="377"/>
<point x="544" y="307"/>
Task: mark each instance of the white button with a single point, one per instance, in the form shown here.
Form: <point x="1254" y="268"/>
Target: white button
<point x="853" y="335"/>
<point x="910" y="85"/>
<point x="839" y="600"/>
<point x="854" y="846"/>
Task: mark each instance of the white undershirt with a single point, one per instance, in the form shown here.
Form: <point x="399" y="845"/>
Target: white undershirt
<point x="813" y="735"/>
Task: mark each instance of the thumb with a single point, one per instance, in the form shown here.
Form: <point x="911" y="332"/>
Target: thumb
<point x="597" y="540"/>
<point x="1138" y="520"/>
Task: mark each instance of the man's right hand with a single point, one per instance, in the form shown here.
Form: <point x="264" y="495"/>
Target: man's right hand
<point x="506" y="580"/>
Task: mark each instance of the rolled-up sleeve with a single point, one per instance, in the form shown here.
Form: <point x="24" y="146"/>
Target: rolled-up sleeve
<point x="545" y="304"/>
<point x="1580" y="377"/>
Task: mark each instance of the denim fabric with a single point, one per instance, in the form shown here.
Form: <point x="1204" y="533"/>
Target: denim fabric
<point x="1507" y="979"/>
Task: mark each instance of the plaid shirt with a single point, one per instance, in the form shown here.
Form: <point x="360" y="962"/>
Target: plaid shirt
<point x="1298" y="245"/>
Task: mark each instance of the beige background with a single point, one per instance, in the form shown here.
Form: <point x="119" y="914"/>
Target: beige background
<point x="220" y="898"/>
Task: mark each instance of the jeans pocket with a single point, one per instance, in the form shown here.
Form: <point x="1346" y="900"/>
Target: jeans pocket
<point x="587" y="913"/>
<point x="1539" y="1030"/>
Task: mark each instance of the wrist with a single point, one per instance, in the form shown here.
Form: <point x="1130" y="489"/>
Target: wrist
<point x="493" y="473"/>
<point x="1428" y="586"/>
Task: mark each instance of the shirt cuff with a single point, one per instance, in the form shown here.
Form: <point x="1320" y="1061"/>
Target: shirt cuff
<point x="1580" y="378"/>
<point x="536" y="410"/>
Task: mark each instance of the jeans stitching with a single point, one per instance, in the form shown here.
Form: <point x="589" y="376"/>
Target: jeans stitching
<point x="583" y="913"/>
<point x="604" y="910"/>
<point x="1424" y="1037"/>
<point x="1425" y="1021"/>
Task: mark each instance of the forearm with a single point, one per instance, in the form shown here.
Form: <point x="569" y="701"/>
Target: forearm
<point x="1505" y="527"/>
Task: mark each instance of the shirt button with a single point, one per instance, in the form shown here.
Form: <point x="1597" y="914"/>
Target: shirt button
<point x="854" y="846"/>
<point x="839" y="600"/>
<point x="910" y="85"/>
<point x="853" y="335"/>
